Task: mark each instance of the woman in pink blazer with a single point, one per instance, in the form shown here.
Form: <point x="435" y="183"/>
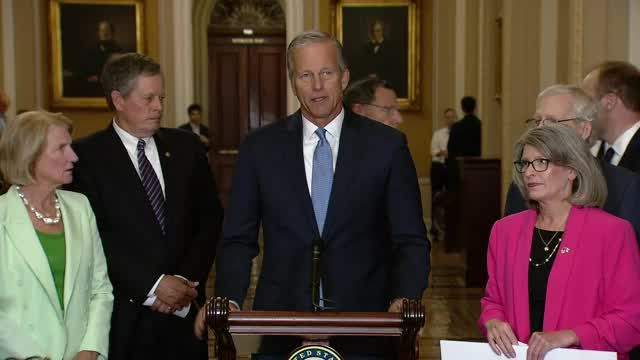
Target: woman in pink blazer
<point x="564" y="273"/>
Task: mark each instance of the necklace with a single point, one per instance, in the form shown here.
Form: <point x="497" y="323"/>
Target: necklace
<point x="39" y="215"/>
<point x="546" y="244"/>
<point x="546" y="260"/>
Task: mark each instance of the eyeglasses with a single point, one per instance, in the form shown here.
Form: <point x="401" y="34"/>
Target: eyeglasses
<point x="534" y="122"/>
<point x="386" y="109"/>
<point x="539" y="165"/>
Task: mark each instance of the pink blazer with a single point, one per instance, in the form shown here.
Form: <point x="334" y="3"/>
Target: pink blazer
<point x="593" y="287"/>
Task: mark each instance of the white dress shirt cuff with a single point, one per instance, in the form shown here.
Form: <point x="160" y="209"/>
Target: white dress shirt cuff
<point x="151" y="298"/>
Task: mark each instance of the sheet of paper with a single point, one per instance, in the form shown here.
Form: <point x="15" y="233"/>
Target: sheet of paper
<point x="457" y="350"/>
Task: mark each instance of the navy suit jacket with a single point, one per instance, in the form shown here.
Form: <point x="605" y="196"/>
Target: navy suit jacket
<point x="631" y="157"/>
<point x="375" y="247"/>
<point x="623" y="199"/>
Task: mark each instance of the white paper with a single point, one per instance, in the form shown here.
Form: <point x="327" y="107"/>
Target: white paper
<point x="457" y="350"/>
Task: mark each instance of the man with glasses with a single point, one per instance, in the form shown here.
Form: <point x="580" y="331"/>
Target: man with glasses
<point x="616" y="85"/>
<point x="374" y="98"/>
<point x="569" y="105"/>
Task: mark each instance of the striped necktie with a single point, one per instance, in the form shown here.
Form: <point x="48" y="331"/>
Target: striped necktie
<point x="151" y="185"/>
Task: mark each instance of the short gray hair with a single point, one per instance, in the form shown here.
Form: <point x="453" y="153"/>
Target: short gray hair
<point x="584" y="108"/>
<point x="313" y="37"/>
<point x="564" y="147"/>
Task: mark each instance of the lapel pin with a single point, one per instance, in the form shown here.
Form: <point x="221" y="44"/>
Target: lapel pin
<point x="167" y="154"/>
<point x="565" y="250"/>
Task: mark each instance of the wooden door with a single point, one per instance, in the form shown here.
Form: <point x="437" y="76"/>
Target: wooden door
<point x="247" y="78"/>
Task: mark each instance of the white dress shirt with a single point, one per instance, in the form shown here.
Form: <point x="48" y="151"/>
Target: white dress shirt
<point x="310" y="141"/>
<point x="130" y="143"/>
<point x="195" y="128"/>
<point x="621" y="143"/>
<point x="439" y="143"/>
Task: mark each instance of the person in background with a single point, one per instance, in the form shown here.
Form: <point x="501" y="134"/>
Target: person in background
<point x="563" y="273"/>
<point x="439" y="143"/>
<point x="464" y="140"/>
<point x="196" y="126"/>
<point x="570" y="106"/>
<point x="55" y="295"/>
<point x="616" y="86"/>
<point x="374" y="98"/>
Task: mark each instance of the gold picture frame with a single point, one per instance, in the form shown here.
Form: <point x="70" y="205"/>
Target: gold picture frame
<point x="83" y="34"/>
<point x="382" y="37"/>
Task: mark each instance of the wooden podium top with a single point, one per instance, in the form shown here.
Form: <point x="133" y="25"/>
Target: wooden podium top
<point x="311" y="325"/>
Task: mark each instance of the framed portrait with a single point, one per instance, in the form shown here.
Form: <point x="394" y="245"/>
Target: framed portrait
<point x="84" y="35"/>
<point x="382" y="38"/>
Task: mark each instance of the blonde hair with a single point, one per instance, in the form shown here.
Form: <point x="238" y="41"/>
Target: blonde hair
<point x="562" y="145"/>
<point x="22" y="143"/>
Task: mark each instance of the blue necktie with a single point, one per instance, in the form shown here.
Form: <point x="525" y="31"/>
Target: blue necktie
<point x="151" y="185"/>
<point x="321" y="178"/>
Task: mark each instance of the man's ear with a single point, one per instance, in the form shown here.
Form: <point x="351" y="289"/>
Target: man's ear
<point x="345" y="79"/>
<point x="585" y="128"/>
<point x="117" y="99"/>
<point x="609" y="101"/>
<point x="357" y="108"/>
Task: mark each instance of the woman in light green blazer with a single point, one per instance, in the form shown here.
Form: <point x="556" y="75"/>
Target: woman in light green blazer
<point x="55" y="295"/>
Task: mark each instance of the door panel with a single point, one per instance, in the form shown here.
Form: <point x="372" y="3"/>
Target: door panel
<point x="247" y="91"/>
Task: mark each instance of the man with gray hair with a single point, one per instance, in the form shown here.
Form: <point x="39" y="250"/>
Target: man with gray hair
<point x="331" y="183"/>
<point x="571" y="106"/>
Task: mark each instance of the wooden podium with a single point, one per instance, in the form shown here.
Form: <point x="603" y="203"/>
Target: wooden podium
<point x="314" y="327"/>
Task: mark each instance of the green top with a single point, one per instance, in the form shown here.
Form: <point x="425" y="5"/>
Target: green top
<point x="54" y="247"/>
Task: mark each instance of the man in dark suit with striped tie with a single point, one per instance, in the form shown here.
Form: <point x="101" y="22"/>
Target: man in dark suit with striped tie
<point x="158" y="215"/>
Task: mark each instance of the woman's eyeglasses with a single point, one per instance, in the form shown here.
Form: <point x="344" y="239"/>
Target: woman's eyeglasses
<point x="539" y="165"/>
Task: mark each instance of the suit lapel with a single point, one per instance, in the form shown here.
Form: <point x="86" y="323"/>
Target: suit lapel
<point x="73" y="252"/>
<point x="562" y="267"/>
<point x="631" y="157"/>
<point x="294" y="165"/>
<point x="170" y="174"/>
<point x="23" y="236"/>
<point x="347" y="166"/>
<point x="521" y="274"/>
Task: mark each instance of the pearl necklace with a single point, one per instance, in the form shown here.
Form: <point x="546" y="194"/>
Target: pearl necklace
<point x="39" y="215"/>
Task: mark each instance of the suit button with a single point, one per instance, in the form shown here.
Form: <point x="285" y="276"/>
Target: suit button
<point x="131" y="301"/>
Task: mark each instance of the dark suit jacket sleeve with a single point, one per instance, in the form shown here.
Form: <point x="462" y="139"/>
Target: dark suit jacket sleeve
<point x="630" y="207"/>
<point x="128" y="274"/>
<point x="240" y="240"/>
<point x="207" y="228"/>
<point x="410" y="246"/>
<point x="515" y="202"/>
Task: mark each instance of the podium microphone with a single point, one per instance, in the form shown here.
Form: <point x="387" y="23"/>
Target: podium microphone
<point x="316" y="254"/>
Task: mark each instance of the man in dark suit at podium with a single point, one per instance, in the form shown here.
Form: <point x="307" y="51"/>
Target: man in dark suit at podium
<point x="569" y="105"/>
<point x="324" y="176"/>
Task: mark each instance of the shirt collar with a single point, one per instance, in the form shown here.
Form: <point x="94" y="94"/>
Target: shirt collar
<point x="621" y="143"/>
<point x="129" y="140"/>
<point x="334" y="127"/>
